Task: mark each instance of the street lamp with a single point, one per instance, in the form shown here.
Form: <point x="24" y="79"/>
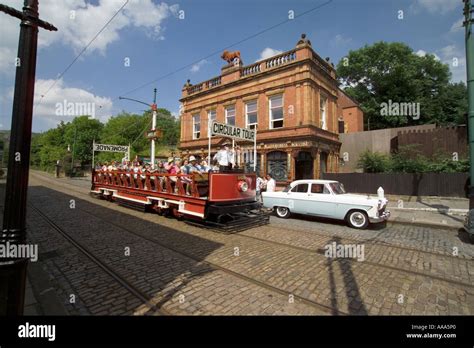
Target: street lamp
<point x="153" y="134"/>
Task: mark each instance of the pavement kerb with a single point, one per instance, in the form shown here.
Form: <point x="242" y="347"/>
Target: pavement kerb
<point x="425" y="224"/>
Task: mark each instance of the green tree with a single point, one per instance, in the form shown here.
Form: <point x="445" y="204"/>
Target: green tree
<point x="169" y="125"/>
<point x="125" y="129"/>
<point x="79" y="135"/>
<point x="385" y="71"/>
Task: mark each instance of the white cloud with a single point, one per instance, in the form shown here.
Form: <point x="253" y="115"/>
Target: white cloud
<point x="422" y="53"/>
<point x="435" y="6"/>
<point x="84" y="102"/>
<point x="79" y="21"/>
<point x="457" y="26"/>
<point x="340" y="40"/>
<point x="196" y="67"/>
<point x="268" y="52"/>
<point x="456" y="59"/>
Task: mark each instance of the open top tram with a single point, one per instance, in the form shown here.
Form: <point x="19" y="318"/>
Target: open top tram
<point x="220" y="199"/>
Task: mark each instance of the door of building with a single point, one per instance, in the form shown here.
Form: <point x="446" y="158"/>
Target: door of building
<point x="304" y="166"/>
<point x="323" y="160"/>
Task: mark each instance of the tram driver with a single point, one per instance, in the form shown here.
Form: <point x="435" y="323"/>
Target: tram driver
<point x="224" y="157"/>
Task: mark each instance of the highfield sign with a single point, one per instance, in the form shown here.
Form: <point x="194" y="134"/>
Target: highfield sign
<point x="227" y="130"/>
<point x="110" y="148"/>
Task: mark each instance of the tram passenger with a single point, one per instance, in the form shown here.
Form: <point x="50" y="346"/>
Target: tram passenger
<point x="125" y="165"/>
<point x="173" y="169"/>
<point x="215" y="166"/>
<point x="161" y="170"/>
<point x="192" y="169"/>
<point x="205" y="167"/>
<point x="185" y="167"/>
<point x="112" y="166"/>
<point x="170" y="167"/>
<point x="136" y="170"/>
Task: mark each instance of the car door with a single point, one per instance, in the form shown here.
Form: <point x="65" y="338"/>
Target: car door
<point x="320" y="201"/>
<point x="297" y="198"/>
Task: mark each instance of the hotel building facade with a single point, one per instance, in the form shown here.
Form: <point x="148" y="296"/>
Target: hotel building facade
<point x="293" y="101"/>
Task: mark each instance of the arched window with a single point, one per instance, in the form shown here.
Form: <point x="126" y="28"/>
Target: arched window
<point x="277" y="165"/>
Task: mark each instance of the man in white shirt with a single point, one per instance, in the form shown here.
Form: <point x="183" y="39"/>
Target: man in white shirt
<point x="271" y="183"/>
<point x="223" y="158"/>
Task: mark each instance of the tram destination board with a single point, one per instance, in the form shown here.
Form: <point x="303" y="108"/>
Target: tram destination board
<point x="110" y="148"/>
<point x="234" y="132"/>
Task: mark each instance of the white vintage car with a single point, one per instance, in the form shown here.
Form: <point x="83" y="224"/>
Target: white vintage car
<point x="327" y="198"/>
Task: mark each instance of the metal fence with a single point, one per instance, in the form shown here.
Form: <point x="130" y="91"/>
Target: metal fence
<point x="410" y="184"/>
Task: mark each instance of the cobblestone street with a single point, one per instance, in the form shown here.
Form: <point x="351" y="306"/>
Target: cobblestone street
<point x="142" y="263"/>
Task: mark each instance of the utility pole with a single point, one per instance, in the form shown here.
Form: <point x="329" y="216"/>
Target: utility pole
<point x="153" y="133"/>
<point x="468" y="15"/>
<point x="13" y="270"/>
<point x="153" y="129"/>
<point x="73" y="148"/>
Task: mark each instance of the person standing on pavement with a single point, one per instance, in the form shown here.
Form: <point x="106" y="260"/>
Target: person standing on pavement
<point x="259" y="187"/>
<point x="271" y="183"/>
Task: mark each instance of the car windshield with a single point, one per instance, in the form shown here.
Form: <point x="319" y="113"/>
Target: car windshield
<point x="288" y="188"/>
<point x="337" y="188"/>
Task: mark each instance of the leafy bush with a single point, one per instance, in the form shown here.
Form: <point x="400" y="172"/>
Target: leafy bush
<point x="447" y="165"/>
<point x="373" y="162"/>
<point x="409" y="160"/>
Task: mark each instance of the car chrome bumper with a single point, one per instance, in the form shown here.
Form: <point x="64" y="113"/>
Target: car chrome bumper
<point x="383" y="217"/>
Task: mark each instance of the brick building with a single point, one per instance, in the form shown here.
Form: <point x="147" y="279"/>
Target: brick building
<point x="293" y="100"/>
<point x="350" y="115"/>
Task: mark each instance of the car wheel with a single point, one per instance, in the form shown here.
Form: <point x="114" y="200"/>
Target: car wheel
<point x="282" y="212"/>
<point x="358" y="219"/>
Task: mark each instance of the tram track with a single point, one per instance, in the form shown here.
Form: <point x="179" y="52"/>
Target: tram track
<point x="304" y="231"/>
<point x="374" y="243"/>
<point x="322" y="252"/>
<point x="307" y="250"/>
<point x="352" y="239"/>
<point x="144" y="298"/>
<point x="319" y="306"/>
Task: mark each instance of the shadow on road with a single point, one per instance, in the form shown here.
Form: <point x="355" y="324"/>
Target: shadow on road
<point x="155" y="269"/>
<point x="355" y="305"/>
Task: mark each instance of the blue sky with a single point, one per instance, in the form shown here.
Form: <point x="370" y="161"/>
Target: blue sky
<point x="157" y="42"/>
